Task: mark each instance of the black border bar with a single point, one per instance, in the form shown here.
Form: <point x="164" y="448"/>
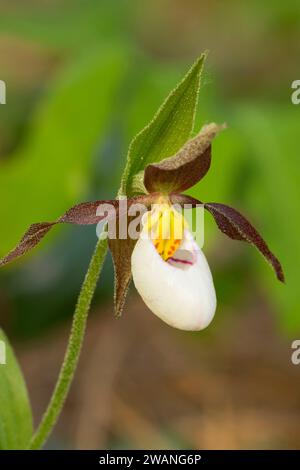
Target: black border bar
<point x="144" y="458"/>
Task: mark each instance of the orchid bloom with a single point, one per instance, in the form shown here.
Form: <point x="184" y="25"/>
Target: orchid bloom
<point x="170" y="272"/>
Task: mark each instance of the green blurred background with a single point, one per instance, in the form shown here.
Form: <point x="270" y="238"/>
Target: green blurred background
<point x="83" y="76"/>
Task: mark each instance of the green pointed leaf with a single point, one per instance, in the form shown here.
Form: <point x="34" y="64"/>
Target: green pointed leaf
<point x="169" y="130"/>
<point x="15" y="411"/>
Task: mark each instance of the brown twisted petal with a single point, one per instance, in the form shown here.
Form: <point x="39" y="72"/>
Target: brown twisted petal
<point x="186" y="168"/>
<point x="184" y="199"/>
<point x="81" y="214"/>
<point x="235" y="226"/>
<point x="121" y="251"/>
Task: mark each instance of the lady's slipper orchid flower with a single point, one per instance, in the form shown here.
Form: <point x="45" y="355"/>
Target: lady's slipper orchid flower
<point x="171" y="273"/>
<point x="168" y="268"/>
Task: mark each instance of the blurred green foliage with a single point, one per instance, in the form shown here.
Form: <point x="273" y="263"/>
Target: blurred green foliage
<point x="106" y="68"/>
<point x="54" y="161"/>
<point x="15" y="410"/>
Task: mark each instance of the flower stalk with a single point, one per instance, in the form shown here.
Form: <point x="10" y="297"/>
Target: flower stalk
<point x="72" y="354"/>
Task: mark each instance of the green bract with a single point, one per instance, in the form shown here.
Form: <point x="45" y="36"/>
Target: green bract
<point x="168" y="131"/>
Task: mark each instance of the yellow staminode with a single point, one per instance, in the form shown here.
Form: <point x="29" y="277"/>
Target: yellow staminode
<point x="166" y="228"/>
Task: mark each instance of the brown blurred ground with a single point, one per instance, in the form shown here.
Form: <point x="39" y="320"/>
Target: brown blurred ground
<point x="163" y="389"/>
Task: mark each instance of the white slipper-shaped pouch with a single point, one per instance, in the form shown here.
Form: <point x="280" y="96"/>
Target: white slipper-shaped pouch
<point x="178" y="290"/>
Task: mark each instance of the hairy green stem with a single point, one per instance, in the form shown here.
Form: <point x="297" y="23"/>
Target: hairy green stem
<point x="72" y="354"/>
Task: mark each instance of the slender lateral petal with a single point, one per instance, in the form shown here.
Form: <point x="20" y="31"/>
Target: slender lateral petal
<point x="81" y="214"/>
<point x="235" y="226"/>
<point x="186" y="168"/>
<point x="121" y="251"/>
<point x="31" y="238"/>
<point x="85" y="213"/>
<point x="184" y="199"/>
